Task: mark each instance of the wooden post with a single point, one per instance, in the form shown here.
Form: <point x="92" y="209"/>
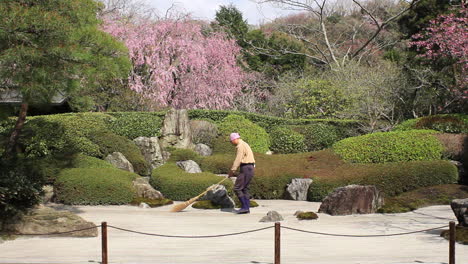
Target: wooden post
<point x="104" y="242"/>
<point x="277" y="243"/>
<point x="452" y="243"/>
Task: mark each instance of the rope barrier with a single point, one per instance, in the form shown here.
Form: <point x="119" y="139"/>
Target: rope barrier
<point x="174" y="236"/>
<point x="340" y="235"/>
<point x="60" y="233"/>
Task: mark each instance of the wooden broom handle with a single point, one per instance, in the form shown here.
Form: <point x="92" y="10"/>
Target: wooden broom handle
<point x="207" y="190"/>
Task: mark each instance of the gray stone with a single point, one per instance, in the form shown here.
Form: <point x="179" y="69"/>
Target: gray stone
<point x="462" y="177"/>
<point x="269" y="152"/>
<point x="352" y="199"/>
<point x="151" y="150"/>
<point x="144" y="206"/>
<point x="460" y="209"/>
<point x="298" y="188"/>
<point x="272" y="216"/>
<point x="189" y="166"/>
<point x="145" y="190"/>
<point x="48" y="194"/>
<point x="176" y="131"/>
<point x="203" y="149"/>
<point x="45" y="220"/>
<point x="219" y="196"/>
<point x="119" y="161"/>
<point x="203" y="132"/>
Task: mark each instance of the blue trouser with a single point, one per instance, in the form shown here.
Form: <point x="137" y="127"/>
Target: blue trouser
<point x="241" y="187"/>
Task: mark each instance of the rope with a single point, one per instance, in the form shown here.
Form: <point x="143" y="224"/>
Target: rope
<point x="339" y="235"/>
<point x="60" y="233"/>
<point x="173" y="236"/>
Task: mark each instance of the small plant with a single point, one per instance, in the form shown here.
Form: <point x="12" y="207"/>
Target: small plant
<point x="307" y="216"/>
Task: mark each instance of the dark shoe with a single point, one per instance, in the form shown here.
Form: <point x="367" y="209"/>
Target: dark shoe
<point x="242" y="211"/>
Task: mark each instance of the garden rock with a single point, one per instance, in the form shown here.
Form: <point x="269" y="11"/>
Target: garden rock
<point x="298" y="188"/>
<point x="189" y="166"/>
<point x="203" y="150"/>
<point x="48" y="193"/>
<point x="144" y="206"/>
<point x="219" y="196"/>
<point x="151" y="150"/>
<point x="45" y="220"/>
<point x="272" y="216"/>
<point x="176" y="130"/>
<point x="462" y="177"/>
<point x="119" y="161"/>
<point x="203" y="131"/>
<point x="460" y="209"/>
<point x="145" y="190"/>
<point x="352" y="199"/>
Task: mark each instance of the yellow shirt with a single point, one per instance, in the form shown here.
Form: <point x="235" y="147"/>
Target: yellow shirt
<point x="244" y="155"/>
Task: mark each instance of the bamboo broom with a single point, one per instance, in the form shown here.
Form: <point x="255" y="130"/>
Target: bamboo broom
<point x="182" y="206"/>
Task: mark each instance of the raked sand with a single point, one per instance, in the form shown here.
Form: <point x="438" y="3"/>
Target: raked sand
<point x="427" y="247"/>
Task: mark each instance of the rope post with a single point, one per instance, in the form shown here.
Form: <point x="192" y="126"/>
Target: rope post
<point x="452" y="243"/>
<point x="104" y="242"/>
<point x="277" y="243"/>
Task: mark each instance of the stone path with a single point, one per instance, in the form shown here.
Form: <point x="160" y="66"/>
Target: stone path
<point x="254" y="248"/>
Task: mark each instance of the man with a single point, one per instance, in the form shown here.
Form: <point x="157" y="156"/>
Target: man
<point x="245" y="160"/>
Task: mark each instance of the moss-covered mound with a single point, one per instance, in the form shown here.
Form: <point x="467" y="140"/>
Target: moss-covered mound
<point x="307" y="216"/>
<point x="384" y="147"/>
<point x="151" y="202"/>
<point x="179" y="185"/>
<point x="422" y="197"/>
<point x="95" y="186"/>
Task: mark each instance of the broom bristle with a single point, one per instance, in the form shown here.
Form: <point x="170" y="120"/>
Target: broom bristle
<point x="179" y="207"/>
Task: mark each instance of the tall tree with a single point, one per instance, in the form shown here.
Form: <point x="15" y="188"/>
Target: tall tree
<point x="54" y="46"/>
<point x="175" y="64"/>
<point x="230" y="19"/>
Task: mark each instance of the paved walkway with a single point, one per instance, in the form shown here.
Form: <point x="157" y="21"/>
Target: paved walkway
<point x="254" y="248"/>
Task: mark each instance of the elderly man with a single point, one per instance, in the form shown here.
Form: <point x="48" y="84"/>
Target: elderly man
<point x="245" y="160"/>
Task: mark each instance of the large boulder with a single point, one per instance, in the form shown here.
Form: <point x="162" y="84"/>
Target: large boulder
<point x="119" y="161"/>
<point x="219" y="196"/>
<point x="203" y="132"/>
<point x="189" y="166"/>
<point x="203" y="150"/>
<point x="272" y="216"/>
<point x="176" y="131"/>
<point x="151" y="150"/>
<point x="352" y="199"/>
<point x="298" y="188"/>
<point x="45" y="220"/>
<point x="145" y="190"/>
<point x="460" y="209"/>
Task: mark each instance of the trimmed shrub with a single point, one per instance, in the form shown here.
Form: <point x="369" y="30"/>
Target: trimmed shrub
<point x="109" y="143"/>
<point x="285" y="140"/>
<point x="320" y="136"/>
<point x="384" y="147"/>
<point x="203" y="131"/>
<point x="452" y="123"/>
<point x="136" y="124"/>
<point x="254" y="135"/>
<point x="83" y="161"/>
<point x="179" y="185"/>
<point x="218" y="163"/>
<point x="94" y="186"/>
<point x="184" y="154"/>
<point x="307" y="216"/>
<point x="151" y="202"/>
<point x="270" y="187"/>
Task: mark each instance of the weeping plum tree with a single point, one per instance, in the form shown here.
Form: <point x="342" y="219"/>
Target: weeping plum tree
<point x="176" y="64"/>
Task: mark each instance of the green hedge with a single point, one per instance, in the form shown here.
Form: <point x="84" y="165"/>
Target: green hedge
<point x="450" y="123"/>
<point x="94" y="186"/>
<point x="136" y="124"/>
<point x="391" y="178"/>
<point x="285" y="140"/>
<point x="179" y="185"/>
<point x="109" y="143"/>
<point x="396" y="146"/>
<point x="320" y="136"/>
<point x="83" y="161"/>
<point x="254" y="135"/>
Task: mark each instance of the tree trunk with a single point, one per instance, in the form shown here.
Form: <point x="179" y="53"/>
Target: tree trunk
<point x="10" y="149"/>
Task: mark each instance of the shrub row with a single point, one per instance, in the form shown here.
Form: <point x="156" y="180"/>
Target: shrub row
<point x="136" y="124"/>
<point x="451" y="123"/>
<point x="179" y="185"/>
<point x="395" y="146"/>
<point x="94" y="186"/>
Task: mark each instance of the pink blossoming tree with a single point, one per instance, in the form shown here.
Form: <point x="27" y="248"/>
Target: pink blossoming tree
<point x="447" y="37"/>
<point x="176" y="64"/>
